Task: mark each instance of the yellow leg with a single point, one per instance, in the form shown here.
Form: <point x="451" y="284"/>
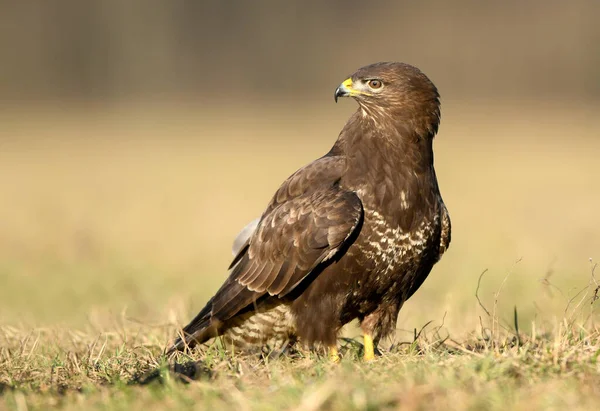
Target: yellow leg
<point x="334" y="355"/>
<point x="369" y="348"/>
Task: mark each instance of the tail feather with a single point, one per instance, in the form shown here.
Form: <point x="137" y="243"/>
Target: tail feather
<point x="199" y="330"/>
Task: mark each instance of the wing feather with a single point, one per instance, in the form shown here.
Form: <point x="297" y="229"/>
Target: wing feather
<point x="281" y="255"/>
<point x="282" y="277"/>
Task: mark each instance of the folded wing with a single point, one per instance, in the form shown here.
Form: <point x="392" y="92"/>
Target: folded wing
<point x="299" y="234"/>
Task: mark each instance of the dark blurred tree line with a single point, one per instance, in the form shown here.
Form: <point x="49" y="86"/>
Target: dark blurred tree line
<point x="97" y="49"/>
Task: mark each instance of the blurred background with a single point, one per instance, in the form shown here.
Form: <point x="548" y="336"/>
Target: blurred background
<point x="138" y="137"/>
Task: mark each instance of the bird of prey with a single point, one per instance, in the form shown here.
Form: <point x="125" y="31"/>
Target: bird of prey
<point x="351" y="235"/>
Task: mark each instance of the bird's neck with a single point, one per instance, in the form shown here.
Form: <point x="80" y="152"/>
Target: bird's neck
<point x="390" y="144"/>
<point x="389" y="162"/>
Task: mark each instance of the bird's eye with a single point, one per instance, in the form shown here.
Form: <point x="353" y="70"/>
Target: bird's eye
<point x="375" y="84"/>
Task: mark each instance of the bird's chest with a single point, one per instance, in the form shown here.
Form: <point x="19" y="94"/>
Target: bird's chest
<point x="390" y="246"/>
<point x="391" y="258"/>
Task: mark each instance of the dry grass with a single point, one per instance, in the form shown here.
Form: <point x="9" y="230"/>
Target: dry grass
<point x="70" y="369"/>
<point x="115" y="227"/>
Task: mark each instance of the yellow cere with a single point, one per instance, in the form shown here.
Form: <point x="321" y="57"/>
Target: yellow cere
<point x="348" y="86"/>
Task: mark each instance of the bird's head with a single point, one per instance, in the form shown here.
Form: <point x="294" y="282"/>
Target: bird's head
<point x="396" y="92"/>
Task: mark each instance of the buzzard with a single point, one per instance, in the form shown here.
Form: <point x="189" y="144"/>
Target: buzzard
<point x="351" y="235"/>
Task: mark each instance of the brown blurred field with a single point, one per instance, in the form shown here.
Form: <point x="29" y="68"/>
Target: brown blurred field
<point x="117" y="222"/>
<point x="134" y="208"/>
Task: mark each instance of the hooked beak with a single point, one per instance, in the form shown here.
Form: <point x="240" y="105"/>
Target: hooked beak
<point x="344" y="90"/>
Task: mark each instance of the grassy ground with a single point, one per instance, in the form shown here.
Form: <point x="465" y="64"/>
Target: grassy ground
<point x="115" y="228"/>
<point x="75" y="370"/>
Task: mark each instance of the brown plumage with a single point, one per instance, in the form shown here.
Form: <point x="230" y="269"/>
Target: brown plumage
<point x="351" y="235"/>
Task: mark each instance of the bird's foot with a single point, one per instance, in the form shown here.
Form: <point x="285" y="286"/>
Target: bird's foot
<point x="334" y="355"/>
<point x="369" y="348"/>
